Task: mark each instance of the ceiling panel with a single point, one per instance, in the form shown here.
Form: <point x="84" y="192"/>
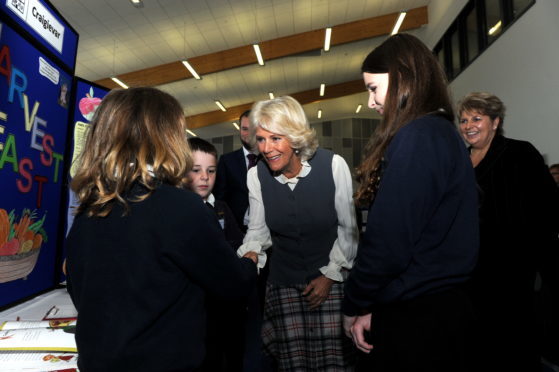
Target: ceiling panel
<point x="117" y="38"/>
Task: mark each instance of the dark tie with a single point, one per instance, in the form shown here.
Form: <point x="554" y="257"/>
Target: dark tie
<point x="251" y="160"/>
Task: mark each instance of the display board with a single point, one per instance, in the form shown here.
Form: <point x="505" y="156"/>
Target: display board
<point x="87" y="97"/>
<point x="35" y="87"/>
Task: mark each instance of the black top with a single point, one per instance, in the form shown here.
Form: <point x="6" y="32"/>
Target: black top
<point x="233" y="233"/>
<point x="519" y="226"/>
<point x="138" y="282"/>
<point x="231" y="183"/>
<point x="422" y="228"/>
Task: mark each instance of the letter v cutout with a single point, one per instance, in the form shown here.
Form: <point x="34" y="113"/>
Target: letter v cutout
<point x="29" y="120"/>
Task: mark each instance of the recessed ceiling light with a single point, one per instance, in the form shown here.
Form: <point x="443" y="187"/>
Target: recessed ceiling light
<point x="327" y="37"/>
<point x="137" y="3"/>
<point x="119" y="82"/>
<point x="220" y="105"/>
<point x="398" y="23"/>
<point x="258" y="54"/>
<point x="191" y="70"/>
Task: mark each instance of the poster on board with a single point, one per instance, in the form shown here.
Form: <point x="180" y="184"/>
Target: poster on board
<point x="88" y="96"/>
<point x="35" y="87"/>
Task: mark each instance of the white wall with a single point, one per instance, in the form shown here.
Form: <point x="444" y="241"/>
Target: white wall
<point x="522" y="68"/>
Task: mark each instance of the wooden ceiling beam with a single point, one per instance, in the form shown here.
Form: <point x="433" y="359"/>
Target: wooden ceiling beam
<point x="305" y="97"/>
<point x="271" y="49"/>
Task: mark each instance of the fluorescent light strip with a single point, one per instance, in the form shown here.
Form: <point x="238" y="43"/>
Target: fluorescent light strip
<point x="494" y="29"/>
<point x="398" y="23"/>
<point x="327" y="37"/>
<point x="191" y="70"/>
<point x="258" y="54"/>
<point x="191" y="133"/>
<point x="115" y="79"/>
<point x="236" y="126"/>
<point x="319" y="114"/>
<point x="271" y="95"/>
<point x="322" y="88"/>
<point x="358" y="109"/>
<point x="220" y="105"/>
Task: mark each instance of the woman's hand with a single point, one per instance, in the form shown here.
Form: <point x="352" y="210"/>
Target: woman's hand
<point x="252" y="255"/>
<point x="355" y="328"/>
<point x="317" y="291"/>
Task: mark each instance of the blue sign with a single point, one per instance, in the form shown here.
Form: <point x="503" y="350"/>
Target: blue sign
<point x="34" y="112"/>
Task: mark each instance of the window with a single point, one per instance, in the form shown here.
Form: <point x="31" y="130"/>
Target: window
<point x="441" y="56"/>
<point x="493" y="19"/>
<point x="455" y="53"/>
<point x="479" y="24"/>
<point x="472" y="35"/>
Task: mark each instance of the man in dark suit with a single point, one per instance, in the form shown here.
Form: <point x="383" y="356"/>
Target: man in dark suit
<point x="231" y="181"/>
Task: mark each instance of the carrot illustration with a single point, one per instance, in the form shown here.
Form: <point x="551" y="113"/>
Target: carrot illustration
<point x="4" y="226"/>
<point x="23" y="225"/>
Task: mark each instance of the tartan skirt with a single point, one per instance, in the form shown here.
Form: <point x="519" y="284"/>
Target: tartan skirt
<point x="301" y="339"/>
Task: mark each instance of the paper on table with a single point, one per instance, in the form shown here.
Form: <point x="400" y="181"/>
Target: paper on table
<point x="55" y="323"/>
<point x="37" y="361"/>
<point x="39" y="339"/>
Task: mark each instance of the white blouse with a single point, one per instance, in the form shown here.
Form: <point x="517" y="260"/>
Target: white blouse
<point x="343" y="251"/>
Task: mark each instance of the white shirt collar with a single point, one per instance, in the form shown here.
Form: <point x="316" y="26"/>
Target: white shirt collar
<point x="211" y="200"/>
<point x="305" y="170"/>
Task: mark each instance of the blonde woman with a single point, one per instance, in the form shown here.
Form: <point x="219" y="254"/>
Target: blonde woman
<point x="142" y="250"/>
<point x="301" y="203"/>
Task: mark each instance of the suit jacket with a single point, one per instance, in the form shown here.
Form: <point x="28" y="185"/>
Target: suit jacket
<point x="231" y="183"/>
<point x="233" y="233"/>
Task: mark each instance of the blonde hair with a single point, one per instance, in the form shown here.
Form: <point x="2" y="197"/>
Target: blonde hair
<point x="284" y="116"/>
<point x="136" y="135"/>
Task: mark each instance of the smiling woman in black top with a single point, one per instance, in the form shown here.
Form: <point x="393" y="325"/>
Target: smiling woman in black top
<point x="519" y="227"/>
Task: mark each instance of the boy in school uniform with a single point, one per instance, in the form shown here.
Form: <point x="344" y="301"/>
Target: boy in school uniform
<point x="202" y="180"/>
<point x="225" y="320"/>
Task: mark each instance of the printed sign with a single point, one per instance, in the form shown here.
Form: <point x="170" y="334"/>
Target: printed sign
<point x="40" y="19"/>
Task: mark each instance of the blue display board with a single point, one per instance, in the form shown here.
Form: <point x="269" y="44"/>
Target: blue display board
<point x="34" y="113"/>
<point x="87" y="97"/>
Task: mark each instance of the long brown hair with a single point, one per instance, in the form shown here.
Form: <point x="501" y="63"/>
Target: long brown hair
<point x="137" y="135"/>
<point x="417" y="86"/>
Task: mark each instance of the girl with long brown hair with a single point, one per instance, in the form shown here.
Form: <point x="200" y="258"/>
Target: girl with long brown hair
<point x="403" y="306"/>
<point x="143" y="251"/>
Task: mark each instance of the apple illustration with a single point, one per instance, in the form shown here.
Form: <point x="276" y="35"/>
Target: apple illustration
<point x="89" y="104"/>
